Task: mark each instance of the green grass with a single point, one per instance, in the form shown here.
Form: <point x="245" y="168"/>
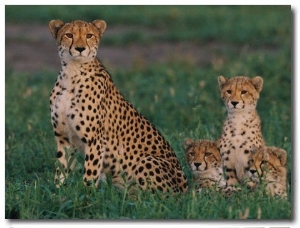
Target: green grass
<point x="185" y="104"/>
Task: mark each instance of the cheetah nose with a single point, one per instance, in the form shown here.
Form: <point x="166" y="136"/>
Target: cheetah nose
<point x="197" y="164"/>
<point x="234" y="103"/>
<point x="252" y="171"/>
<point x="80" y="49"/>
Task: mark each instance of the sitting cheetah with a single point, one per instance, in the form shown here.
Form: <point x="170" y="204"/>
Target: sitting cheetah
<point x="204" y="160"/>
<point x="90" y="115"/>
<point x="242" y="128"/>
<point x="268" y="167"/>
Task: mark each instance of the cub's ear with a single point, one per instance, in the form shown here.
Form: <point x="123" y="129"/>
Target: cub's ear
<point x="257" y="81"/>
<point x="255" y="149"/>
<point x="188" y="143"/>
<point x="217" y="143"/>
<point x="222" y="80"/>
<point x="54" y="26"/>
<point x="281" y="154"/>
<point x="100" y="25"/>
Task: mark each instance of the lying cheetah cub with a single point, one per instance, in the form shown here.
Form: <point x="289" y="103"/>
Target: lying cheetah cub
<point x="242" y="128"/>
<point x="204" y="160"/>
<point x="268" y="167"/>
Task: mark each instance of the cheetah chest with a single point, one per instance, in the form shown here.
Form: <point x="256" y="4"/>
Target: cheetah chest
<point x="240" y="132"/>
<point x="65" y="109"/>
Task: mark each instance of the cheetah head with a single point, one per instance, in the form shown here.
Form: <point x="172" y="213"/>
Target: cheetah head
<point x="240" y="93"/>
<point x="202" y="155"/>
<point x="267" y="163"/>
<point x="77" y="40"/>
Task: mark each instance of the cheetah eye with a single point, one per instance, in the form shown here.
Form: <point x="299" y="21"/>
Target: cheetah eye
<point x="69" y="35"/>
<point x="207" y="154"/>
<point x="264" y="162"/>
<point x="228" y="91"/>
<point x="89" y="36"/>
<point x="244" y="92"/>
<point x="192" y="154"/>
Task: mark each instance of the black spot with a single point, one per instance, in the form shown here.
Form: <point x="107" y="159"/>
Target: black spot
<point x="157" y="170"/>
<point x="95" y="172"/>
<point x="246" y="151"/>
<point x="158" y="179"/>
<point x="148" y="166"/>
<point x="56" y="134"/>
<point x="91" y="157"/>
<point x="141" y="169"/>
<point x="159" y="188"/>
<point x="89" y="172"/>
<point x="141" y="181"/>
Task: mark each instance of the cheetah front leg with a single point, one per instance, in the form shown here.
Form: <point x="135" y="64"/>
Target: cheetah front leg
<point x="93" y="164"/>
<point x="231" y="179"/>
<point x="65" y="156"/>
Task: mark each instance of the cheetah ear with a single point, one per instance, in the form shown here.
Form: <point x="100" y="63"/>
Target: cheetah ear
<point x="54" y="26"/>
<point x="217" y="143"/>
<point x="222" y="80"/>
<point x="257" y="81"/>
<point x="254" y="149"/>
<point x="188" y="143"/>
<point x="100" y="25"/>
<point x="266" y="156"/>
<point x="281" y="154"/>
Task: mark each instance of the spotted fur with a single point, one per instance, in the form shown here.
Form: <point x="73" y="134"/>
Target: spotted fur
<point x="205" y="163"/>
<point x="90" y="115"/>
<point x="242" y="127"/>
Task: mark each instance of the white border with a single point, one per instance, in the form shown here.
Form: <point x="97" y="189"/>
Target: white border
<point x="169" y="223"/>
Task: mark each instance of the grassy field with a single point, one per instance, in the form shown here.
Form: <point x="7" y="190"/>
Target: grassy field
<point x="180" y="98"/>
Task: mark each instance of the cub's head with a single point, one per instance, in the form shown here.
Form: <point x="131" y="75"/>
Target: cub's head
<point x="267" y="163"/>
<point x="77" y="40"/>
<point x="240" y="93"/>
<point x="202" y="154"/>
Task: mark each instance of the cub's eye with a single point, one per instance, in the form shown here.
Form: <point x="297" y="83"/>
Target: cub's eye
<point x="244" y="92"/>
<point x="89" y="36"/>
<point x="207" y="154"/>
<point x="69" y="35"/>
<point x="228" y="91"/>
<point x="192" y="154"/>
<point x="264" y="162"/>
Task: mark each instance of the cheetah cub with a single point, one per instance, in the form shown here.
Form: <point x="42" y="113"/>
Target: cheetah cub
<point x="90" y="115"/>
<point x="268" y="166"/>
<point x="242" y="127"/>
<point x="205" y="163"/>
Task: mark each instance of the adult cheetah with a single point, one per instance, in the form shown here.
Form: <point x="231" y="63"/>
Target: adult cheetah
<point x="89" y="114"/>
